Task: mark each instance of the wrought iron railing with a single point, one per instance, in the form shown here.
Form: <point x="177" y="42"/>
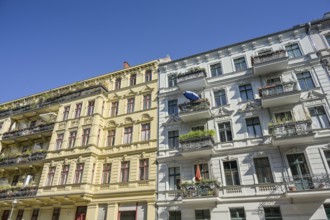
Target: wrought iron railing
<point x="29" y="131"/>
<point x="277" y="89"/>
<point x="308" y="182"/>
<point x="196" y="143"/>
<point x="193" y="106"/>
<point x="5" y="161"/>
<point x="191" y="74"/>
<point x="18" y="192"/>
<point x="205" y="188"/>
<point x="270" y="56"/>
<point x="290" y="128"/>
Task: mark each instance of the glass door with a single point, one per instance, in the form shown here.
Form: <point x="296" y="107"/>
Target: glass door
<point x="300" y="172"/>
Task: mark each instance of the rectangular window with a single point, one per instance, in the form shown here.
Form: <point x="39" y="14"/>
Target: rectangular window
<point x="146" y="101"/>
<point x="90" y="108"/>
<point x="81" y="213"/>
<point x="66" y="112"/>
<point x="246" y="92"/>
<point x="216" y="69"/>
<point x="64" y="174"/>
<point x="78" y="110"/>
<point x="35" y="214"/>
<point x="144" y="169"/>
<point x="240" y="64"/>
<point x="50" y="176"/>
<point x="174" y="178"/>
<point x="173" y="139"/>
<point x="114" y="108"/>
<point x="172" y="80"/>
<point x="204" y="169"/>
<point x="79" y="173"/>
<point x="127" y="215"/>
<point x="85" y="137"/>
<point x="124" y="174"/>
<point x="59" y="141"/>
<point x="130" y="105"/>
<point x="272" y="213"/>
<point x="128" y="132"/>
<point x="305" y="80"/>
<point x="282" y="117"/>
<point x="111" y="137"/>
<point x="145" y="132"/>
<point x="148" y="75"/>
<point x="118" y="83"/>
<point x="20" y="214"/>
<point x="237" y="214"/>
<point x="319" y="117"/>
<point x="172" y="107"/>
<point x="225" y="132"/>
<point x="263" y="170"/>
<point x="132" y="80"/>
<point x="5" y="214"/>
<point x="15" y="180"/>
<point x="220" y="97"/>
<point x="327" y="208"/>
<point x="293" y="51"/>
<point x="300" y="171"/>
<point x="203" y="214"/>
<point x="106" y="173"/>
<point x="253" y="127"/>
<point x="174" y="215"/>
<point x="56" y="214"/>
<point x="231" y="173"/>
<point x="93" y="173"/>
<point x="72" y="139"/>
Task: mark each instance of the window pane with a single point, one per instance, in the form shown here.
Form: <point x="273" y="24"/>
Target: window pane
<point x="263" y="170"/>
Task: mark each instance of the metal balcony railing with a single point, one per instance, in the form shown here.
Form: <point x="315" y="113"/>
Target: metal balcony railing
<point x="196" y="143"/>
<point x="191" y="74"/>
<point x="290" y="128"/>
<point x="308" y="182"/>
<point x="29" y="131"/>
<point x="6" y="161"/>
<point x="205" y="188"/>
<point x="277" y="89"/>
<point x="19" y="192"/>
<point x="193" y="106"/>
<point x="270" y="56"/>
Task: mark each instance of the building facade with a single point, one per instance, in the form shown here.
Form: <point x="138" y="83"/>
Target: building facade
<point x="256" y="143"/>
<point x="82" y="151"/>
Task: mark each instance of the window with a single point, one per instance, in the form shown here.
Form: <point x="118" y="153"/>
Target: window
<point x="144" y="167"/>
<point x="216" y="69"/>
<point x="81" y="213"/>
<point x="220" y="97"/>
<point x="174" y="215"/>
<point x="327" y="208"/>
<point x="246" y="92"/>
<point x="305" y="80"/>
<point x="90" y="108"/>
<point x="237" y="214"/>
<point x="106" y="173"/>
<point x="66" y="112"/>
<point x="56" y="214"/>
<point x="93" y="173"/>
<point x="78" y="110"/>
<point x="204" y="169"/>
<point x="240" y="64"/>
<point x="202" y="214"/>
<point x="5" y="214"/>
<point x="172" y="80"/>
<point x="124" y="175"/>
<point x="198" y="128"/>
<point x="128" y="135"/>
<point x="300" y="172"/>
<point x="231" y="173"/>
<point x="127" y="215"/>
<point x="132" y="80"/>
<point x="114" y="109"/>
<point x="283" y="117"/>
<point x="253" y="127"/>
<point x="173" y="139"/>
<point x="35" y="214"/>
<point x="111" y="137"/>
<point x="130" y="105"/>
<point x="174" y="178"/>
<point x="319" y="117"/>
<point x="172" y="108"/>
<point x="33" y="123"/>
<point x="15" y="180"/>
<point x="148" y="75"/>
<point x="263" y="170"/>
<point x="145" y="132"/>
<point x="79" y="173"/>
<point x="20" y="214"/>
<point x="85" y="137"/>
<point x="118" y="83"/>
<point x="225" y="132"/>
<point x="293" y="50"/>
<point x="50" y="176"/>
<point x="146" y="102"/>
<point x="272" y="213"/>
<point x="72" y="139"/>
<point x="64" y="174"/>
<point x="59" y="141"/>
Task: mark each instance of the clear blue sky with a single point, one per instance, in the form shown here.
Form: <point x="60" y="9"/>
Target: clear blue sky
<point x="49" y="43"/>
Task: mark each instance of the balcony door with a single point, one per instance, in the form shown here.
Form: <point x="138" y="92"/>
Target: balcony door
<point x="274" y="86"/>
<point x="81" y="213"/>
<point x="300" y="171"/>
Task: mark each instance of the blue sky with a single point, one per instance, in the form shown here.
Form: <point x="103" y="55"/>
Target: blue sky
<point x="46" y="44"/>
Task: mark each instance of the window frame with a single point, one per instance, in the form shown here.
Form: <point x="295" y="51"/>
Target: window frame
<point x="90" y="107"/>
<point x="321" y="123"/>
<point x="56" y="214"/>
<point x="173" y="178"/>
<point x="292" y="50"/>
<point x="237" y="217"/>
<point x="172" y="107"/>
<point x="144" y="169"/>
<point x="175" y="137"/>
<point x="72" y="139"/>
<point x="64" y="174"/>
<point x="124" y="171"/>
<point x="264" y="169"/>
<point x="253" y="125"/>
<point x="146" y="101"/>
<point x="85" y="136"/>
<point x="219" y="98"/>
<point x="117" y="83"/>
<point x="66" y="112"/>
<point x="130" y="105"/>
<point x="145" y="132"/>
<point x="133" y="79"/>
<point x="78" y="174"/>
<point x="303" y="80"/>
<point x="106" y="173"/>
<point x="214" y="71"/>
<point x="148" y="75"/>
<point x="232" y="174"/>
<point x="206" y="214"/>
<point x="240" y="66"/>
<point x="225" y="131"/>
<point x="244" y="90"/>
<point x="111" y="137"/>
<point x="114" y="108"/>
<point x="272" y="217"/>
<point x="78" y="109"/>
<point x="172" y="80"/>
<point x="59" y="141"/>
<point x="50" y="176"/>
<point x="128" y="135"/>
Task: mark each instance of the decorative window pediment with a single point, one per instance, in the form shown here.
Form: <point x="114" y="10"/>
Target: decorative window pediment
<point x="223" y="111"/>
<point x="112" y="124"/>
<point x="173" y="119"/>
<point x="145" y="118"/>
<point x="115" y="96"/>
<point x="127" y="121"/>
<point x="146" y="89"/>
<point x="250" y="106"/>
<point x="312" y="95"/>
<point x="130" y="93"/>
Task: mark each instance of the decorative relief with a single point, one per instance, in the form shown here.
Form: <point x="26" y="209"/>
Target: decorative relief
<point x="88" y="120"/>
<point x="75" y="123"/>
<point x="62" y="125"/>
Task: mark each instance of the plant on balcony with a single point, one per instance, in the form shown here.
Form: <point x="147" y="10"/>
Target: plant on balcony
<point x="191" y="71"/>
<point x="196" y="135"/>
<point x="205" y="187"/>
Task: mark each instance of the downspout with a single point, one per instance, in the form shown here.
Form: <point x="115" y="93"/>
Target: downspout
<point x="157" y="142"/>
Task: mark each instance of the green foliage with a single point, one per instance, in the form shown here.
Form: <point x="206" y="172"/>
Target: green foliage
<point x="196" y="134"/>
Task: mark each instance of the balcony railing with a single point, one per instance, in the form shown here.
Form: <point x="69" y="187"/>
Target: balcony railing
<point x="191" y="74"/>
<point x="196" y="143"/>
<point x="309" y="182"/>
<point x="29" y="131"/>
<point x="290" y="128"/>
<point x="277" y="89"/>
<point x="193" y="106"/>
<point x="270" y="56"/>
<point x="37" y="156"/>
<point x="205" y="188"/>
<point x="18" y="192"/>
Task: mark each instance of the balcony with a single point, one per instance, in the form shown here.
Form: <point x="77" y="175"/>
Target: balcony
<point x="279" y="94"/>
<point x="272" y="61"/>
<point x="199" y="190"/>
<point x="22" y="159"/>
<point x="193" y="79"/>
<point x="291" y="132"/>
<point x="18" y="192"/>
<point x="197" y="143"/>
<point x="28" y="132"/>
<point x="195" y="110"/>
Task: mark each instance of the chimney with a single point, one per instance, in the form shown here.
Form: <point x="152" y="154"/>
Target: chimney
<point x="126" y="65"/>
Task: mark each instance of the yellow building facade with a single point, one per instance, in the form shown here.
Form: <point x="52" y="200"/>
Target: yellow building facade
<point x="82" y="151"/>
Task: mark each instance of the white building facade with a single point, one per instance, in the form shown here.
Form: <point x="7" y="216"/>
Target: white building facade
<point x="256" y="145"/>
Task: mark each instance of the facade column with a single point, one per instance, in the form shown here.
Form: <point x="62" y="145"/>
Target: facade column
<point x="92" y="211"/>
<point x="112" y="211"/>
<point x="151" y="211"/>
